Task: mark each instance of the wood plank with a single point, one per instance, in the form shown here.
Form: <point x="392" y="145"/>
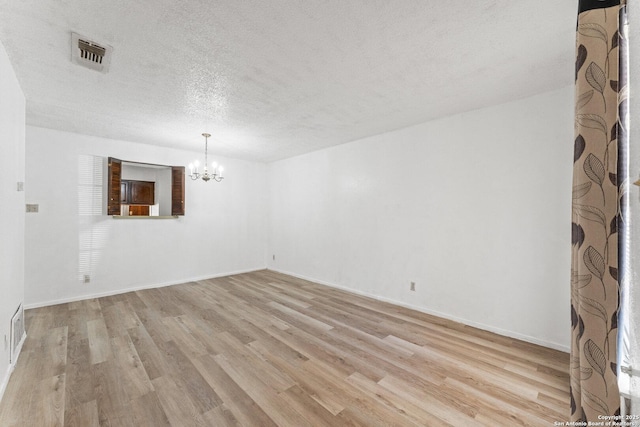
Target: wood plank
<point x="453" y="414"/>
<point x="135" y="382"/>
<point x="151" y="357"/>
<point x="79" y="382"/>
<point x="112" y="400"/>
<point x="187" y="377"/>
<point x="265" y="396"/>
<point x="119" y="317"/>
<point x="184" y="337"/>
<point x="177" y="405"/>
<point x="220" y="417"/>
<point x="82" y="415"/>
<point x="308" y="407"/>
<point x="99" y="346"/>
<point x="147" y="410"/>
<point x="306" y="320"/>
<point x="243" y="407"/>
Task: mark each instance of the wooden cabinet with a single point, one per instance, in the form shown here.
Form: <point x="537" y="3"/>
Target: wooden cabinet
<point x="137" y="192"/>
<point x="141" y="193"/>
<point x="138" y="210"/>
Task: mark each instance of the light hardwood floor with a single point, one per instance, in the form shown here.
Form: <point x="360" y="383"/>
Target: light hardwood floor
<point x="263" y="349"/>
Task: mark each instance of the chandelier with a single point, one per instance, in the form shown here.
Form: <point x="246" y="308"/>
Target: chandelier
<point x="215" y="174"/>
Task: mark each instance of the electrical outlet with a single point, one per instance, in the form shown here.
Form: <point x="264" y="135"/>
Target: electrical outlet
<point x="32" y="208"/>
<point x="413" y="286"/>
<point x="87" y="278"/>
<point x="20" y="186"/>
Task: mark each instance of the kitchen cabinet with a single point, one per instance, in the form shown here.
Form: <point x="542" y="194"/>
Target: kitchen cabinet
<point x="137" y="192"/>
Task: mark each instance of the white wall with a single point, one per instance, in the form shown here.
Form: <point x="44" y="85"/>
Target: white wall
<point x="163" y="191"/>
<point x="224" y="230"/>
<point x="474" y="208"/>
<point x="12" y="121"/>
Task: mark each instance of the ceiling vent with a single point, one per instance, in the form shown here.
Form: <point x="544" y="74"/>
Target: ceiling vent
<point x="90" y="54"/>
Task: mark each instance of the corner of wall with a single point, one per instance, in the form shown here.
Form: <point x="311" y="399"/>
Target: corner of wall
<point x="12" y="216"/>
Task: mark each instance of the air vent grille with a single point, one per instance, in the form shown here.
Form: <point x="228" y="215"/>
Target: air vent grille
<point x="90" y="54"/>
<point x="90" y="51"/>
<point x="17" y="334"/>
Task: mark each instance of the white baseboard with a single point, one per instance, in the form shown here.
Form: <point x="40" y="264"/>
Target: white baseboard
<point x="136" y="288"/>
<point x="499" y="331"/>
<point x="11" y="367"/>
<point x="490" y="328"/>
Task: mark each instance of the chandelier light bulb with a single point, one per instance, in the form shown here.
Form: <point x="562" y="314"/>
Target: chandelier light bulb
<point x="214" y="165"/>
<point x="197" y="164"/>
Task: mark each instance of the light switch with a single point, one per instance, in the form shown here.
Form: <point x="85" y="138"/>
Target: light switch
<point x="20" y="186"/>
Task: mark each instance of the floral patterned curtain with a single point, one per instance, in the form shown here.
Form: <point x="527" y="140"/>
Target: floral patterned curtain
<point x="600" y="147"/>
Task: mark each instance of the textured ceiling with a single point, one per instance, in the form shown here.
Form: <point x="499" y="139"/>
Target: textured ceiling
<point x="273" y="79"/>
